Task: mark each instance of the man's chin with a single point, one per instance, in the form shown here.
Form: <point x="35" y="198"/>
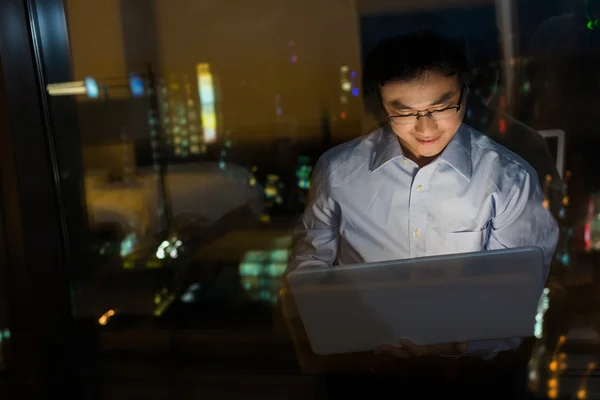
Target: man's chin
<point x="429" y="153"/>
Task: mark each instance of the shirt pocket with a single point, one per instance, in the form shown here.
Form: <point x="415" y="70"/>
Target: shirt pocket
<point x="465" y="241"/>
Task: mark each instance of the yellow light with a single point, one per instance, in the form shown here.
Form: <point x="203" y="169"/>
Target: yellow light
<point x="553" y="383"/>
<point x="562" y="356"/>
<point x="103" y="320"/>
<point x="553" y="366"/>
<point x="582" y="394"/>
<point x="552" y="393"/>
<point x="209" y="121"/>
<point x="562" y="339"/>
<point x="565" y="200"/>
<point x="591" y="365"/>
<point x="164" y="305"/>
<point x="265" y="218"/>
<point x="66" y="88"/>
<point x="546" y="204"/>
<point x="207" y="102"/>
<point x="128" y="265"/>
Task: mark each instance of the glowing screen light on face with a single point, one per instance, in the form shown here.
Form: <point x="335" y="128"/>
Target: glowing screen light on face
<point x="206" y="92"/>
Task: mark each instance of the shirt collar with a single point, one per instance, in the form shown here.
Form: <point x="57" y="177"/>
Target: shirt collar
<point x="457" y="153"/>
<point x="387" y="148"/>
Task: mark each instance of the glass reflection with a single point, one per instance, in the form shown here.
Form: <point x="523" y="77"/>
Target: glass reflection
<point x="200" y="125"/>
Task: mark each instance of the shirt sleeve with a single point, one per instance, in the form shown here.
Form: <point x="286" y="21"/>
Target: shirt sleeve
<point x="315" y="239"/>
<point x="524" y="220"/>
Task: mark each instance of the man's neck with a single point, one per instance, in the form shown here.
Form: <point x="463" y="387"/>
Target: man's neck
<point x="419" y="160"/>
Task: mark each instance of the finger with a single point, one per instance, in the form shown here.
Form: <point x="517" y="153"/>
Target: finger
<point x="395" y="351"/>
<point x="413" y="349"/>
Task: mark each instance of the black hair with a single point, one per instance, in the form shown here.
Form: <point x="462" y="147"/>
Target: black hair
<point x="405" y="58"/>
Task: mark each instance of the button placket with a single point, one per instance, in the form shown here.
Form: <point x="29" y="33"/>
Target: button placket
<point x="418" y="211"/>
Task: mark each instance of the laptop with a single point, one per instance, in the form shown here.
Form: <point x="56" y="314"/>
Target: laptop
<point x="430" y="300"/>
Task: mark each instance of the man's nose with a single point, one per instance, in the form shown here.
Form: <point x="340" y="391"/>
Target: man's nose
<point x="425" y="125"/>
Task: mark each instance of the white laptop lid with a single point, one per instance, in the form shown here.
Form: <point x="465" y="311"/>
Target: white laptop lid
<point x="441" y="299"/>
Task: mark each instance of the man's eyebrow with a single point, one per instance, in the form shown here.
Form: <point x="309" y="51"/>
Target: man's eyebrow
<point x="398" y="105"/>
<point x="443" y="99"/>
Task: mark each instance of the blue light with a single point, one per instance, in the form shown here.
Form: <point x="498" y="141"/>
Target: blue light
<point x="355" y="92"/>
<point x="91" y="87"/>
<point x="304" y="184"/>
<point x="136" y="85"/>
<point x="353" y="74"/>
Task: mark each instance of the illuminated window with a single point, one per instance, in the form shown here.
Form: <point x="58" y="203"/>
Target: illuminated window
<point x="207" y="102"/>
<point x="260" y="272"/>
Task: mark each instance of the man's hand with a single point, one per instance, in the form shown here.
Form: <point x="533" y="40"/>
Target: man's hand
<point x="409" y="349"/>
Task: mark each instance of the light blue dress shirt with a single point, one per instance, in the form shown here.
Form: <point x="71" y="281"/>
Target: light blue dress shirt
<point x="370" y="203"/>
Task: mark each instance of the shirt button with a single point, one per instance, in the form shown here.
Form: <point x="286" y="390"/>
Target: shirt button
<point x="417" y="232"/>
<point x="420" y="188"/>
<point x="405" y="161"/>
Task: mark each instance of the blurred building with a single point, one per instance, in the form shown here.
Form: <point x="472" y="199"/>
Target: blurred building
<point x="273" y="76"/>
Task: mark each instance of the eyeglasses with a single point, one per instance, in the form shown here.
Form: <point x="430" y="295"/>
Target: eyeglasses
<point x="436" y="115"/>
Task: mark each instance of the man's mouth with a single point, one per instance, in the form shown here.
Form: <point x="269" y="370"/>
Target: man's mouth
<point x="428" y="141"/>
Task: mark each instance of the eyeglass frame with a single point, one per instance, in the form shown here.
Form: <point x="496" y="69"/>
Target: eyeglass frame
<point x="428" y="114"/>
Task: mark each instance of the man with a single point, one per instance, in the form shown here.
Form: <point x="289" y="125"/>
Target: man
<point x="424" y="184"/>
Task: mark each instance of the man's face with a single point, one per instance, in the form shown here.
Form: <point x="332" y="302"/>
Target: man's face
<point x="426" y="138"/>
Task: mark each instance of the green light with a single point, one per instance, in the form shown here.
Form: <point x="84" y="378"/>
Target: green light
<point x="250" y="269"/>
<point x="279" y="256"/>
<point x="591" y="23"/>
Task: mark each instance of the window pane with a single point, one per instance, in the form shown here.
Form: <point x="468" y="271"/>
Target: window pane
<point x="201" y="123"/>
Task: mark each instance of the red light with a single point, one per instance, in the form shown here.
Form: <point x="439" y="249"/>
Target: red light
<point x="587" y="237"/>
<point x="502" y="126"/>
<point x="587" y="227"/>
<point x="343" y="115"/>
